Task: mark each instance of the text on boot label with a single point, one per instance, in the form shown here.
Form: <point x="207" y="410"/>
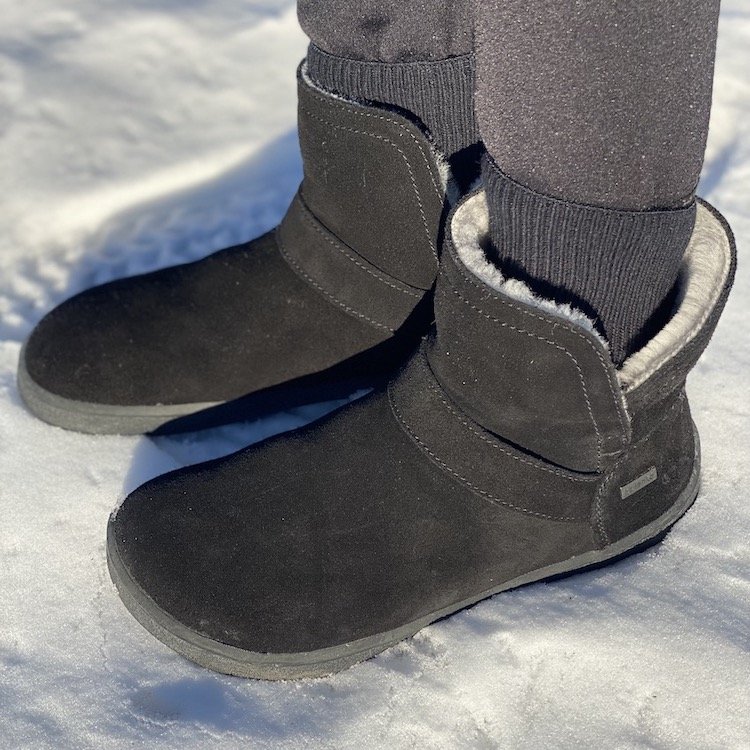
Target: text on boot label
<point x="638" y="484"/>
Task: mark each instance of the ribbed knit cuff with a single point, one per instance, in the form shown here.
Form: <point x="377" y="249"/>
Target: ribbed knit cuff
<point x="439" y="93"/>
<point x="617" y="266"/>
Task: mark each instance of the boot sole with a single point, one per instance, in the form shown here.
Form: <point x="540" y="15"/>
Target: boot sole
<point x="111" y="419"/>
<point x="92" y="418"/>
<point x="231" y="660"/>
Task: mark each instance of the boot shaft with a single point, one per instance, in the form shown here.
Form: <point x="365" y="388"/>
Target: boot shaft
<point x="538" y="374"/>
<point x="372" y="179"/>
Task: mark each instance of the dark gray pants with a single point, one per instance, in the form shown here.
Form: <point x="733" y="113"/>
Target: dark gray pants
<point x="594" y="101"/>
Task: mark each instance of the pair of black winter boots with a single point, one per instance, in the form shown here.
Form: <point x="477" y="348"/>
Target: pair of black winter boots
<point x="506" y="449"/>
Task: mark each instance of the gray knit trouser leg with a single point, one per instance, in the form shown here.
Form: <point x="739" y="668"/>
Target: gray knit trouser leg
<point x="415" y="55"/>
<point x="594" y="114"/>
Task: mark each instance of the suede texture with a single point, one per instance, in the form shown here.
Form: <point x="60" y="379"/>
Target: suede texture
<point x="541" y="382"/>
<point x="669" y="449"/>
<point x="343" y="276"/>
<point x="332" y="533"/>
<point x="377" y="170"/>
<point x="508" y="477"/>
<point x="180" y="335"/>
<point x="299" y="305"/>
<point x="483" y="461"/>
<point x="405" y="503"/>
<point x="389" y="510"/>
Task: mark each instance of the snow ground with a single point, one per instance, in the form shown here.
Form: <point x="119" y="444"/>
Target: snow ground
<point x="135" y="135"/>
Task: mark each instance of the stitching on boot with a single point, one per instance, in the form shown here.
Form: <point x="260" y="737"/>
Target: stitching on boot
<point x="557" y="472"/>
<point x="369" y="115"/>
<point x="313" y="222"/>
<point x="492" y="498"/>
<point x="598" y="505"/>
<point x="430" y="242"/>
<point x="619" y="403"/>
<point x="503" y="324"/>
<point x="323" y="291"/>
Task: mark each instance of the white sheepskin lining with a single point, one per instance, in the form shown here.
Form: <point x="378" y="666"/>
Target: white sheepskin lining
<point x="704" y="272"/>
<point x="470" y="231"/>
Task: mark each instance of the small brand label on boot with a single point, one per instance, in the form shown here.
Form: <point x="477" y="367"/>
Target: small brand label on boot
<point x="638" y="484"/>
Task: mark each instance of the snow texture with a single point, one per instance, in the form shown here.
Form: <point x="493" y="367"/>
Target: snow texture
<point x="136" y="135"/>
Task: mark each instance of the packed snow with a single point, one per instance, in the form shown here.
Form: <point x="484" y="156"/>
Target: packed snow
<point x="136" y="135"/>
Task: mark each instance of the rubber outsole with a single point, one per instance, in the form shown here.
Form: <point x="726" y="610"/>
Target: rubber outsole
<point x="105" y="419"/>
<point x="231" y="660"/>
<point x="365" y="369"/>
<point x="92" y="418"/>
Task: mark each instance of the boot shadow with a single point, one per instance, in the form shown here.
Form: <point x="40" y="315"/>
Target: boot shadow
<point x="158" y="454"/>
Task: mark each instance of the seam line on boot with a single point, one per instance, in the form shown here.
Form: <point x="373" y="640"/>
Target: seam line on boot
<point x="351" y="110"/>
<point x="581" y="378"/>
<point x="598" y="513"/>
<point x="438" y="392"/>
<point x="323" y="291"/>
<point x="340" y="247"/>
<point x="420" y="205"/>
<point x="488" y="496"/>
<point x="618" y="402"/>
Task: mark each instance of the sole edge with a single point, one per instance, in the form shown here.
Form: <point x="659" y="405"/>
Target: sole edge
<point x="231" y="660"/>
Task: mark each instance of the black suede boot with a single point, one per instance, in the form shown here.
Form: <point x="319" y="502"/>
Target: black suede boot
<point x="508" y="450"/>
<point x="332" y="300"/>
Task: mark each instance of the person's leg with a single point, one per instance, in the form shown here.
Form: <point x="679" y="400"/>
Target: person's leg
<point x="416" y="56"/>
<point x="595" y="117"/>
<point x="389" y="30"/>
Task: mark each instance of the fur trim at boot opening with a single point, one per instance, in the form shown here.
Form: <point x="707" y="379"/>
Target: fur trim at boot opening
<point x="707" y="264"/>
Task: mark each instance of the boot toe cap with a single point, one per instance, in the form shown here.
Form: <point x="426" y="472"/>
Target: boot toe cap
<point x="278" y="549"/>
<point x="83" y="350"/>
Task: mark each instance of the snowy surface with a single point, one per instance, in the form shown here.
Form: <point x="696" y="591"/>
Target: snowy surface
<point x="135" y="135"/>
